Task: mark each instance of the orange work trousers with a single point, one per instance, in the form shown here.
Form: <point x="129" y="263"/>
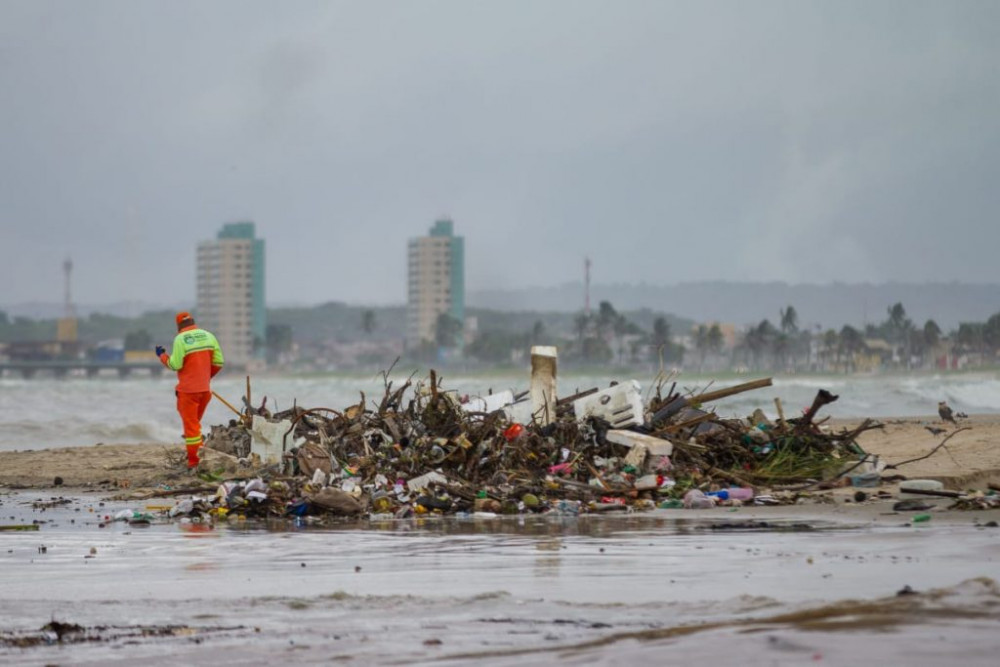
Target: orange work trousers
<point x="191" y="406"/>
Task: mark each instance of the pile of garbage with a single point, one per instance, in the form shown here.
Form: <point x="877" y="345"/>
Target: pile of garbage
<point x="422" y="449"/>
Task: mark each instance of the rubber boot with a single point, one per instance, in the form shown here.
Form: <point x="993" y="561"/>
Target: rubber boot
<point x="192" y="452"/>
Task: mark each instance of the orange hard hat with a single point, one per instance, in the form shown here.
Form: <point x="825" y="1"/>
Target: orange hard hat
<point x="183" y="315"/>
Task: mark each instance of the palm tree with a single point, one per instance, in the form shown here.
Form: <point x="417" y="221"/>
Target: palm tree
<point x="701" y="344"/>
<point x="758" y="339"/>
<point x="660" y="341"/>
<point x="899" y="329"/>
<point x="789" y="320"/>
<point x="831" y="341"/>
<point x="924" y="340"/>
<point x="537" y="332"/>
<point x="715" y="339"/>
<point x="932" y="333"/>
<point x="606" y="317"/>
<point x="970" y="337"/>
<point x="368" y="321"/>
<point x="851" y="342"/>
<point x="780" y="345"/>
<point x="897" y="316"/>
<point x="621" y="326"/>
<point x="661" y="331"/>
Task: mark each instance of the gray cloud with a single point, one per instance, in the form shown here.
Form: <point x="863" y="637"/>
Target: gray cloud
<point x="669" y="141"/>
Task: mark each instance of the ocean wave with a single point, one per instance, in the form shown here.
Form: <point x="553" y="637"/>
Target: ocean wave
<point x="45" y="412"/>
<point x="30" y="434"/>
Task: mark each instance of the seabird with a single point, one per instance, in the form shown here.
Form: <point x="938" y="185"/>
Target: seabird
<point x="945" y="412"/>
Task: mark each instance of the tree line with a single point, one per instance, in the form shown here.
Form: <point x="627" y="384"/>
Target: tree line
<point x="895" y="342"/>
<point x="607" y="336"/>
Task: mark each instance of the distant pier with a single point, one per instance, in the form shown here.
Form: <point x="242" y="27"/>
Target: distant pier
<point x="88" y="368"/>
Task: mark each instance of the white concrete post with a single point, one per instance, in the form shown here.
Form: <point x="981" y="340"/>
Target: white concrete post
<point x="543" y="384"/>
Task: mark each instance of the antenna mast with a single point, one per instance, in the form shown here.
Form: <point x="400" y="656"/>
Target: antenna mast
<point x="68" y="310"/>
<point x="66" y="325"/>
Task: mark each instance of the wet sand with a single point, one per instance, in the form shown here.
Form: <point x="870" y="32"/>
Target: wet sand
<point x="772" y="585"/>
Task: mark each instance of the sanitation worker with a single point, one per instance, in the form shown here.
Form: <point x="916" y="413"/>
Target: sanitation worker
<point x="197" y="358"/>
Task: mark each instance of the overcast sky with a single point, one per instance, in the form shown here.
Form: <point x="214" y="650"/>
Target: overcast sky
<point x="797" y="141"/>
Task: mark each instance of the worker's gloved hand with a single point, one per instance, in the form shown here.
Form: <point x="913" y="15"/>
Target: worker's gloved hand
<point x="160" y="350"/>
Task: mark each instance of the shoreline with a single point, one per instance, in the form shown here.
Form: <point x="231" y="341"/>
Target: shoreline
<point x="823" y="510"/>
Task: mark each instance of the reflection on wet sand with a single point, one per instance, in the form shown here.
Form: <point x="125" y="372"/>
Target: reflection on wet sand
<point x="524" y="589"/>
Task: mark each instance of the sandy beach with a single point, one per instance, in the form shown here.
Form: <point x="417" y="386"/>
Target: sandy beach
<point x="970" y="459"/>
<point x="103" y="467"/>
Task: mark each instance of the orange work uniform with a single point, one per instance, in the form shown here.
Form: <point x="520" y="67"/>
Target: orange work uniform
<point x="197" y="358"/>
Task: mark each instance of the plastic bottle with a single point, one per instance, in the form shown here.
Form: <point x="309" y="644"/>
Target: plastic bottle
<point x="646" y="482"/>
<point x="568" y="507"/>
<point x="732" y="493"/>
<point x="866" y="479"/>
<point x="741" y="493"/>
<point x="696" y="500"/>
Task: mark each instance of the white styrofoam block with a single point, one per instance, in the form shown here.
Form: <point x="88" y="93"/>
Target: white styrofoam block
<point x="655" y="446"/>
<point x="519" y="413"/>
<point x="490" y="402"/>
<point x="620" y="405"/>
<point x="267" y="439"/>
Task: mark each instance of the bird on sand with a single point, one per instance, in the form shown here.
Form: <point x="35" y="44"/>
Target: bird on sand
<point x="945" y="412"/>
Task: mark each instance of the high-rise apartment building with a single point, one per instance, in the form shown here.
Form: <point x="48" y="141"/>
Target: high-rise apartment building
<point x="436" y="264"/>
<point x="231" y="290"/>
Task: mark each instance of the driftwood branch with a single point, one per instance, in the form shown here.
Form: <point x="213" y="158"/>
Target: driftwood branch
<point x="781" y="413"/>
<point x="933" y="451"/>
<point x="732" y="391"/>
<point x="866" y="425"/>
<point x="823" y="397"/>
<point x="166" y="493"/>
<point x="679" y="403"/>
<point x="730" y="476"/>
<point x="933" y="492"/>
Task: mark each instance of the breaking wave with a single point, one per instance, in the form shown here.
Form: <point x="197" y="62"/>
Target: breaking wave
<point x="45" y="412"/>
<point x="877" y="396"/>
<point x="68" y="433"/>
